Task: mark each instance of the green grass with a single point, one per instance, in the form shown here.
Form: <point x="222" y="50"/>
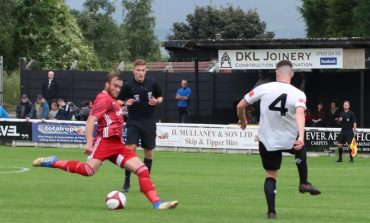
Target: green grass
<point x="210" y="187"/>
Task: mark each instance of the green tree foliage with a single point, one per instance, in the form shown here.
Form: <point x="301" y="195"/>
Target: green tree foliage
<point x="340" y="20"/>
<point x="49" y="34"/>
<point x="336" y="18"/>
<point x="138" y="26"/>
<point x="315" y="14"/>
<point x="230" y="22"/>
<point x="362" y="19"/>
<point x="7" y="29"/>
<point x="100" y="29"/>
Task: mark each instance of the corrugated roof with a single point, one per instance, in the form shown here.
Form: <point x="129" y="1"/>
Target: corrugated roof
<point x="338" y="42"/>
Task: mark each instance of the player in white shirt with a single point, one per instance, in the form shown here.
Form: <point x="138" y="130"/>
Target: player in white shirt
<point x="281" y="129"/>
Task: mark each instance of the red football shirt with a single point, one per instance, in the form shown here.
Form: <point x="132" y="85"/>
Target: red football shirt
<point x="109" y="115"/>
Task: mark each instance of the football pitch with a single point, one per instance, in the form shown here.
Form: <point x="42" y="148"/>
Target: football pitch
<point x="212" y="188"/>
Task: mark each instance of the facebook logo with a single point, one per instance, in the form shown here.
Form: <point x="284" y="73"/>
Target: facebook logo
<point x="328" y="61"/>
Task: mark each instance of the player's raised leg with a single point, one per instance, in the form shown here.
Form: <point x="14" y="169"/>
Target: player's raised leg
<point x="73" y="166"/>
<point x="146" y="185"/>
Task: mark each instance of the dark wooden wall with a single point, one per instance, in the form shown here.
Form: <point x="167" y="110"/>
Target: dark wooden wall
<point x="218" y="93"/>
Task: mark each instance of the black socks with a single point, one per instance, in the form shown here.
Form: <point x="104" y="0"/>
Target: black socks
<point x="340" y="152"/>
<point x="270" y="191"/>
<point x="301" y="162"/>
<point x="148" y="163"/>
<point x="127" y="177"/>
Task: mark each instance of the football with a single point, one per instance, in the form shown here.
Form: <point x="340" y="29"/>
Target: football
<point x="115" y="200"/>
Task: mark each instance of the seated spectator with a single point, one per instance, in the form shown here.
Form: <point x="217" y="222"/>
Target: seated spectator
<point x="333" y="115"/>
<point x="3" y="113"/>
<point x="54" y="110"/>
<point x="24" y="107"/>
<point x="82" y="112"/>
<point x="319" y="116"/>
<point x="40" y="110"/>
<point x="64" y="112"/>
<point x="307" y="117"/>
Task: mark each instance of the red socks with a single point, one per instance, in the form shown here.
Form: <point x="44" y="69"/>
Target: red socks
<point x="84" y="169"/>
<point x="146" y="184"/>
<point x="75" y="166"/>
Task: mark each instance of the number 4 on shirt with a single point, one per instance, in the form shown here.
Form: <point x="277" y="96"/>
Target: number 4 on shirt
<point x="282" y="109"/>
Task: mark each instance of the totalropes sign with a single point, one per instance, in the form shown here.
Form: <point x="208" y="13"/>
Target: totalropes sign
<point x="268" y="58"/>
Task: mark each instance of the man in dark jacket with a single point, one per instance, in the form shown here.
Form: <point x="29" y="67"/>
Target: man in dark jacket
<point x="64" y="112"/>
<point x="50" y="88"/>
<point x="83" y="110"/>
<point x="24" y="107"/>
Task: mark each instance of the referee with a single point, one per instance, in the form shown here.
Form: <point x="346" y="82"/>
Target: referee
<point x="347" y="121"/>
<point x="140" y="95"/>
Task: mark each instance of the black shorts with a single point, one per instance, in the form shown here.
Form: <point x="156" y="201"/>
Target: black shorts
<point x="141" y="129"/>
<point x="271" y="160"/>
<point x="345" y="135"/>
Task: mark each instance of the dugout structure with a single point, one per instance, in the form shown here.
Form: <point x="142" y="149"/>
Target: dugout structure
<point x="215" y="94"/>
<point x="345" y="82"/>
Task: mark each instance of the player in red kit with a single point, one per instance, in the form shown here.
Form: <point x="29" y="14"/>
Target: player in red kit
<point x="108" y="144"/>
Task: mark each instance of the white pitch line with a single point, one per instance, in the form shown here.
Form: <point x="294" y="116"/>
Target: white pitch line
<point x="18" y="169"/>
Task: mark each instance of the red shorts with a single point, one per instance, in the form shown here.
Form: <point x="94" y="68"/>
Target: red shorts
<point x="113" y="149"/>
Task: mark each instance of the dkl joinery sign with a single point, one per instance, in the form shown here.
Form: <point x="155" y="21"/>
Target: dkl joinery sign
<point x="250" y="59"/>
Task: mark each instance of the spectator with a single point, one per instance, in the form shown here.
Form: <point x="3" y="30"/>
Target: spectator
<point x="50" y="88"/>
<point x="64" y="112"/>
<point x="307" y="116"/>
<point x="24" y="107"/>
<point x="3" y="113"/>
<point x="333" y="115"/>
<point x="183" y="96"/>
<point x="54" y="110"/>
<point x="318" y="116"/>
<point x="40" y="110"/>
<point x="82" y="112"/>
